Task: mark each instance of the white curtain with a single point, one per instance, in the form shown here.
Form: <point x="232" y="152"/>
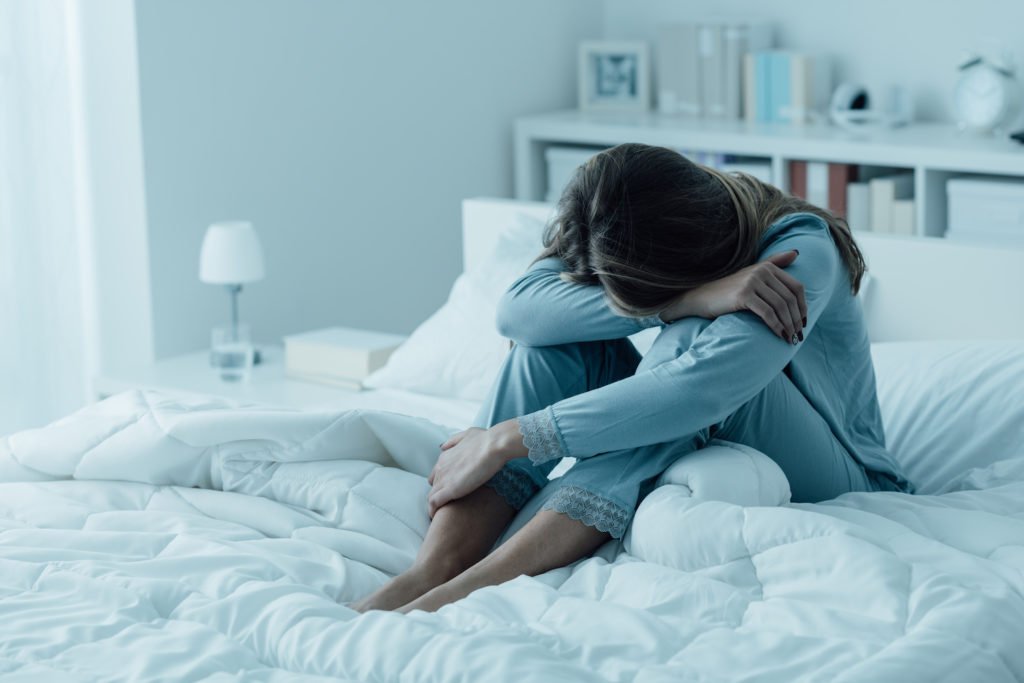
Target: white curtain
<point x="47" y="349"/>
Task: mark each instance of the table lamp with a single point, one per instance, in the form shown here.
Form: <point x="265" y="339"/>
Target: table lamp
<point x="231" y="256"/>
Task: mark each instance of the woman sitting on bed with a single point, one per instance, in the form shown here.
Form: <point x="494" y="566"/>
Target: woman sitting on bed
<point x="762" y="343"/>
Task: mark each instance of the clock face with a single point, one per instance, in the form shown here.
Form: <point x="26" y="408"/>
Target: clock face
<point x="980" y="98"/>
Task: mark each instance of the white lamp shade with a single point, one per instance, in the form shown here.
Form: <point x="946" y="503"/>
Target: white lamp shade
<point x="231" y="254"/>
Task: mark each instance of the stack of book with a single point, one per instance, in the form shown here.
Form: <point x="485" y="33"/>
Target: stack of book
<point x="729" y="163"/>
<point x="762" y="170"/>
<point x="339" y="356"/>
<point x="784" y="87"/>
<point x="822" y="184"/>
<point x="699" y="66"/>
<point x="869" y="199"/>
<point x="891" y="203"/>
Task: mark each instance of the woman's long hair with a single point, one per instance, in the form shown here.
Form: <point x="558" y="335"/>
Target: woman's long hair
<point x="648" y="224"/>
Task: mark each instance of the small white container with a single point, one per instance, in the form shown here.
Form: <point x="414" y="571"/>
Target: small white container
<point x="986" y="209"/>
<point x="562" y="163"/>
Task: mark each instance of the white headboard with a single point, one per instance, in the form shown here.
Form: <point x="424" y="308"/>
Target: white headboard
<point x="921" y="287"/>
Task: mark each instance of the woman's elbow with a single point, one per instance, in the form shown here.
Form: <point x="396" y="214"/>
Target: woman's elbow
<point x="515" y="322"/>
<point x="508" y="318"/>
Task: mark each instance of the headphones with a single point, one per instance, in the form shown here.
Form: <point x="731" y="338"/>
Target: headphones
<point x="852" y="107"/>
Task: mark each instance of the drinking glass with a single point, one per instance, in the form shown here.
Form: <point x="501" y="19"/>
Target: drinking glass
<point x="232" y="352"/>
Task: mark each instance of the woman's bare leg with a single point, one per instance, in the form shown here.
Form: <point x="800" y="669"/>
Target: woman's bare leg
<point x="463" y="531"/>
<point x="547" y="541"/>
<point x="459" y="535"/>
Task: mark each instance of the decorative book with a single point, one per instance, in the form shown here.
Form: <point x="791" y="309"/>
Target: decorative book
<point x="338" y="356"/>
<point x="884" y="191"/>
<point x="781" y="86"/>
<point x="823" y="184"/>
<point x="699" y="66"/>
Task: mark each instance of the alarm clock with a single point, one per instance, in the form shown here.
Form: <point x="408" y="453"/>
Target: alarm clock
<point x="987" y="95"/>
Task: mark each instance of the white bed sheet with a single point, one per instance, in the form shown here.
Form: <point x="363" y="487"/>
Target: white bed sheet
<point x="153" y="539"/>
<point x="450" y="412"/>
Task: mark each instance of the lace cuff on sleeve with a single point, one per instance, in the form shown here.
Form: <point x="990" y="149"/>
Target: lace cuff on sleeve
<point x="540" y="436"/>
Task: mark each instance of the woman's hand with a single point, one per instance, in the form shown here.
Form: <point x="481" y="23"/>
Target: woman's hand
<point x="764" y="289"/>
<point x="469" y="459"/>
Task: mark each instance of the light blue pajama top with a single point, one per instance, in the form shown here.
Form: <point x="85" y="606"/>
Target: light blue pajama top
<point x="731" y="361"/>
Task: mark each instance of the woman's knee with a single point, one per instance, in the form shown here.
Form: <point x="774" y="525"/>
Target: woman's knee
<point x="535" y="377"/>
<point x="576" y="366"/>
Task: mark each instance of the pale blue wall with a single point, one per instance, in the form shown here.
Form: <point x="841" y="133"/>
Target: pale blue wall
<point x="876" y="42"/>
<point x="348" y="131"/>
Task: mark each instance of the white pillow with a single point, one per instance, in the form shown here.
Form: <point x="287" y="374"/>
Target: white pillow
<point x="457" y="351"/>
<point x="950" y="406"/>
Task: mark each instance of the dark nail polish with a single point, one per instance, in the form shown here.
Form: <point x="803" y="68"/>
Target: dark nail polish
<point x="800" y="335"/>
<point x="805" y="322"/>
<point x="797" y="251"/>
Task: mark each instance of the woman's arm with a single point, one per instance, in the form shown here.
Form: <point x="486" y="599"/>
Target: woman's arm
<point x="542" y="309"/>
<point x="764" y="289"/>
<point x="735" y="357"/>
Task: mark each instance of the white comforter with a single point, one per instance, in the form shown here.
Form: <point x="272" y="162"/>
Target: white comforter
<point x="145" y="539"/>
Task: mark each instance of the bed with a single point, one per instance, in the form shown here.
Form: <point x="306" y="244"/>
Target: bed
<point x="155" y="537"/>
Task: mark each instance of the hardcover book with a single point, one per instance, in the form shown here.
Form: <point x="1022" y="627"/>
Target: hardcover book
<point x="750" y="87"/>
<point x="738" y="40"/>
<point x="779" y="82"/>
<point x="901" y="221"/>
<point x="810" y="87"/>
<point x="858" y="205"/>
<point x="839" y="176"/>
<point x="798" y="179"/>
<point x="817" y="183"/>
<point x="786" y="87"/>
<point x="338" y="355"/>
<point x="762" y="78"/>
<point x="711" y="48"/>
<point x="884" y="190"/>
<point x="678" y="70"/>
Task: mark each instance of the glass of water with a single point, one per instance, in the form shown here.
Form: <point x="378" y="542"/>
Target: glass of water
<point x="232" y="352"/>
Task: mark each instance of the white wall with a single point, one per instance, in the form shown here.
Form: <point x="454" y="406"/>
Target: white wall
<point x="348" y="131"/>
<point x="875" y="42"/>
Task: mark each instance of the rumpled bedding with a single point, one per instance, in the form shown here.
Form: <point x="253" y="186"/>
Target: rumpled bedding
<point x="151" y="538"/>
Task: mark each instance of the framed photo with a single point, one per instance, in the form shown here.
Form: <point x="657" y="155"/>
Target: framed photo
<point x="614" y="76"/>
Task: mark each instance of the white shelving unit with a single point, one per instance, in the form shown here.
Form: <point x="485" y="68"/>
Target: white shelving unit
<point x="934" y="152"/>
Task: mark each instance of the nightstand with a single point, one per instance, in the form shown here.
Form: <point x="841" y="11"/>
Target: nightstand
<point x="191" y="374"/>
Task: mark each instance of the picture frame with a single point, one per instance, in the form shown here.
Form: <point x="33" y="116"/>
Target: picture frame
<point x="614" y="76"/>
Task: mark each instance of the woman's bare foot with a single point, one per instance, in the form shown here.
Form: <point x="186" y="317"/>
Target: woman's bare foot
<point x="549" y="540"/>
<point x="403" y="589"/>
<point x="459" y="535"/>
<point x="433" y="599"/>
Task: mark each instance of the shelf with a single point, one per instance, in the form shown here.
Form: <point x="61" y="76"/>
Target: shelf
<point x="934" y="145"/>
<point x="934" y="152"/>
